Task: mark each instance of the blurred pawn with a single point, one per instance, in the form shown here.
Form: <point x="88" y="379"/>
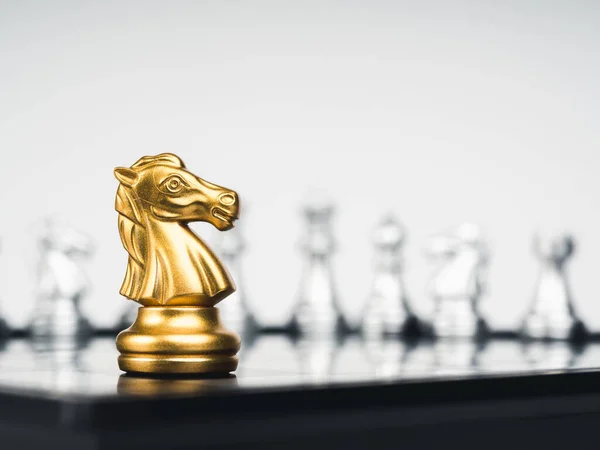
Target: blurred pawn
<point x="387" y="311"/>
<point x="62" y="283"/>
<point x="457" y="284"/>
<point x="551" y="314"/>
<point x="234" y="311"/>
<point x="317" y="313"/>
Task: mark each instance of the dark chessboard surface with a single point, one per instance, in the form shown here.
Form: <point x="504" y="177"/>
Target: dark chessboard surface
<point x="290" y="391"/>
<point x="89" y="368"/>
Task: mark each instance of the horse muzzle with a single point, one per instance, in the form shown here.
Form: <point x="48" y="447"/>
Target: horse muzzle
<point x="226" y="210"/>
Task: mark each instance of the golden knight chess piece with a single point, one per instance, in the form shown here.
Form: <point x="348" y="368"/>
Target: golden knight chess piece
<point x="171" y="272"/>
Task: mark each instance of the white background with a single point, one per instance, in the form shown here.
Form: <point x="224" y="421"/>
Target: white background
<point x="440" y="112"/>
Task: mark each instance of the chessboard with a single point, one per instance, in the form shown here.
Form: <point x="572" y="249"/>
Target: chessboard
<point x="294" y="393"/>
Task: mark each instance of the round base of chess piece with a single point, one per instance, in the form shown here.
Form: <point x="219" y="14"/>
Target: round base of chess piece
<point x="457" y="318"/>
<point x="178" y="340"/>
<point x="324" y="328"/>
<point x="477" y="329"/>
<point x="537" y="327"/>
<point x="148" y="386"/>
<point x="405" y="324"/>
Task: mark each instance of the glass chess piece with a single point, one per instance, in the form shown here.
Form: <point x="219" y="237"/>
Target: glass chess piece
<point x="457" y="283"/>
<point x="551" y="314"/>
<point x="62" y="282"/>
<point x="235" y="311"/>
<point x="317" y="311"/>
<point x="387" y="310"/>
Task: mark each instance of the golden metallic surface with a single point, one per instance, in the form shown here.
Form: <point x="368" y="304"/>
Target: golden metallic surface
<point x="178" y="339"/>
<point x="171" y="272"/>
<point x="168" y="386"/>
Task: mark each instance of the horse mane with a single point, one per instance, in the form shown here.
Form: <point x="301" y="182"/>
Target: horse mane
<point x="131" y="224"/>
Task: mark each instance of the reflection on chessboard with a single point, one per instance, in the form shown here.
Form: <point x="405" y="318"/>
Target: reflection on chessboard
<point x="90" y="368"/>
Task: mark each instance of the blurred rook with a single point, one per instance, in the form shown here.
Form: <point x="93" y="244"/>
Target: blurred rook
<point x="317" y="312"/>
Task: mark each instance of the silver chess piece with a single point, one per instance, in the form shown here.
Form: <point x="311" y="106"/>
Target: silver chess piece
<point x="457" y="283"/>
<point x="62" y="283"/>
<point x="317" y="312"/>
<point x="387" y="310"/>
<point x="552" y="314"/>
<point x="235" y="312"/>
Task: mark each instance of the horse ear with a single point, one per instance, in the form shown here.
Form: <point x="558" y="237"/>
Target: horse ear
<point x="126" y="176"/>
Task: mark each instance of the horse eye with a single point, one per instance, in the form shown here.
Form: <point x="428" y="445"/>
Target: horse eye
<point x="174" y="184"/>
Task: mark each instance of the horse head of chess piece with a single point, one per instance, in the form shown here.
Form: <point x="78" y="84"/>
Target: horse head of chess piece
<point x="457" y="284"/>
<point x="64" y="239"/>
<point x="551" y="314"/>
<point x="62" y="282"/>
<point x="171" y="272"/>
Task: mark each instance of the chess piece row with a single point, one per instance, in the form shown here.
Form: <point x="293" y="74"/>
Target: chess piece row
<point x="456" y="285"/>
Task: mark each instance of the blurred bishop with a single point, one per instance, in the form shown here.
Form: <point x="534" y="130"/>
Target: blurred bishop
<point x="552" y="314"/>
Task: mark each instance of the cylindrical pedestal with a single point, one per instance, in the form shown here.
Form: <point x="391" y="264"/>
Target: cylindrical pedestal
<point x="177" y="340"/>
